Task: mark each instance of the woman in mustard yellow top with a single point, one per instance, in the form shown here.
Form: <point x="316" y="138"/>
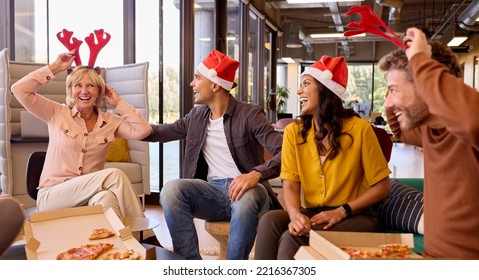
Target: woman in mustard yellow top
<point x="334" y="158"/>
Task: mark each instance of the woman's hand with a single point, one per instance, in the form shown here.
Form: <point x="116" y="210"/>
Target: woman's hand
<point x="300" y="225"/>
<point x="111" y="97"/>
<point x="63" y="62"/>
<point x="330" y="218"/>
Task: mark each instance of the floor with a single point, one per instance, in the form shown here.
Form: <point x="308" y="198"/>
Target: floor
<point x="406" y="162"/>
<point x="208" y="245"/>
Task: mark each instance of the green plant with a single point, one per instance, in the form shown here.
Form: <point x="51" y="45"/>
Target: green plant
<point x="282" y="95"/>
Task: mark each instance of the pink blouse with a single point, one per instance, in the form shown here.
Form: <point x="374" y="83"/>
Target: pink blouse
<point x="72" y="150"/>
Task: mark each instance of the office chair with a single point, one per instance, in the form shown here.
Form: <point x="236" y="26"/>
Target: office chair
<point x="384" y="141"/>
<point x="34" y="170"/>
<point x="282" y="123"/>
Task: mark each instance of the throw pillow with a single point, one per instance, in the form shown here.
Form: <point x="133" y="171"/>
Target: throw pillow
<point x="402" y="209"/>
<point x="118" y="151"/>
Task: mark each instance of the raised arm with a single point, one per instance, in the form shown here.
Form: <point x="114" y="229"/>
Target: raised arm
<point x="448" y="98"/>
<point x="25" y="89"/>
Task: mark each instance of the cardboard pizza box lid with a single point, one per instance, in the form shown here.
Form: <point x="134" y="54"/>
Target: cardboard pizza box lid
<point x="328" y="243"/>
<point x="51" y="232"/>
<point x="308" y="253"/>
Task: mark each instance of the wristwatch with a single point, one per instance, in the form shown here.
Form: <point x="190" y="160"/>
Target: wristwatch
<point x="347" y="209"/>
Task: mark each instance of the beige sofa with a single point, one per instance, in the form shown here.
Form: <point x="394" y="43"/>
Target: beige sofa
<point x="130" y="81"/>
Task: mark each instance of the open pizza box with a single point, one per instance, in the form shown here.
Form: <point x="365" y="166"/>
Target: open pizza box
<point x="327" y="245"/>
<point x="49" y="233"/>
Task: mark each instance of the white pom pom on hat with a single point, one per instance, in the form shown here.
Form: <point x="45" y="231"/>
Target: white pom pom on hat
<point x="219" y="68"/>
<point x="212" y="73"/>
<point x="332" y="72"/>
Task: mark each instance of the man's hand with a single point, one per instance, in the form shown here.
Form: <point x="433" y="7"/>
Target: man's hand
<point x="416" y="42"/>
<point x="242" y="183"/>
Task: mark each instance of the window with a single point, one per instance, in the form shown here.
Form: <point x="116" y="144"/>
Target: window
<point x="233" y="34"/>
<point x="163" y="82"/>
<point x="83" y="18"/>
<point x="204" y="29"/>
<point x="380" y="90"/>
<point x="253" y="58"/>
<point x="268" y="37"/>
<point x="31" y="31"/>
<point x="360" y="88"/>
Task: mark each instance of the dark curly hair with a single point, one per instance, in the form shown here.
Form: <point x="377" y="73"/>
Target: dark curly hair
<point x="397" y="59"/>
<point x="330" y="114"/>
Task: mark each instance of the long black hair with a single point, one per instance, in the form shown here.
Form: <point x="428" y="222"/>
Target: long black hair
<point x="330" y="114"/>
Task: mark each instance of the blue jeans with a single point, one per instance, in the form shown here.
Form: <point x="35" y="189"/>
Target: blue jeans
<point x="185" y="199"/>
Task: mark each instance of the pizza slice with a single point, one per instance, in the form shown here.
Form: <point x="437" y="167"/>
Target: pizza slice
<point x="395" y="250"/>
<point x="126" y="255"/>
<point x="85" y="252"/>
<point x="101" y="233"/>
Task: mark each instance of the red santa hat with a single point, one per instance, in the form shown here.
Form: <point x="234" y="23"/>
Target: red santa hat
<point x="219" y="68"/>
<point x="332" y="72"/>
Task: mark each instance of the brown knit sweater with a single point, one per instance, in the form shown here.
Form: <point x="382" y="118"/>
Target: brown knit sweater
<point x="451" y="160"/>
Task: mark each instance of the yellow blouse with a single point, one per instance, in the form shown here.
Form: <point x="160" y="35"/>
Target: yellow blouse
<point x="359" y="164"/>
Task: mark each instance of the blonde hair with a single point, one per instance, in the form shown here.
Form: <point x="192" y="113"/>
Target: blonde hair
<point x="76" y="75"/>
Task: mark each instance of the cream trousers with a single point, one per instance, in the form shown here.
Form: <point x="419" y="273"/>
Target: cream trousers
<point x="110" y="188"/>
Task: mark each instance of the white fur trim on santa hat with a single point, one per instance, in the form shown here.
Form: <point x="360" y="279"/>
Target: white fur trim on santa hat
<point x="211" y="75"/>
<point x="326" y="78"/>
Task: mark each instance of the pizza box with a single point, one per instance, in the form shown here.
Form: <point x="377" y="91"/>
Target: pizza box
<point x="326" y="245"/>
<point x="51" y="232"/>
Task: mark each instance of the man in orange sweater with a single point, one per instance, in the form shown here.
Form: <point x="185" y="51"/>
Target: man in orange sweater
<point x="428" y="105"/>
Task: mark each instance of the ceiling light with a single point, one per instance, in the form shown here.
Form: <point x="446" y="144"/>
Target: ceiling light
<point x="315" y="1"/>
<point x="332" y="35"/>
<point x="456" y="41"/>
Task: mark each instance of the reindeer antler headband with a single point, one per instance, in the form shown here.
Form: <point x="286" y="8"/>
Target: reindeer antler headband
<point x="71" y="43"/>
<point x="371" y="23"/>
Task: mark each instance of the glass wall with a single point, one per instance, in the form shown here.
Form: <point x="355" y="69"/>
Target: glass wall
<point x="162" y="81"/>
<point x="360" y="88"/>
<point x="233" y="35"/>
<point x="379" y="91"/>
<point x="253" y="66"/>
<point x="267" y="52"/>
<point x="31" y="31"/>
<point x="204" y="29"/>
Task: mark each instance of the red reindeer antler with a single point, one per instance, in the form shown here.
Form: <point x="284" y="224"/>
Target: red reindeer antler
<point x="371" y="23"/>
<point x="103" y="38"/>
<point x="64" y="37"/>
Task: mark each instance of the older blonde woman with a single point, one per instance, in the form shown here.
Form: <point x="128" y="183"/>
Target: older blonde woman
<point x="79" y="136"/>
